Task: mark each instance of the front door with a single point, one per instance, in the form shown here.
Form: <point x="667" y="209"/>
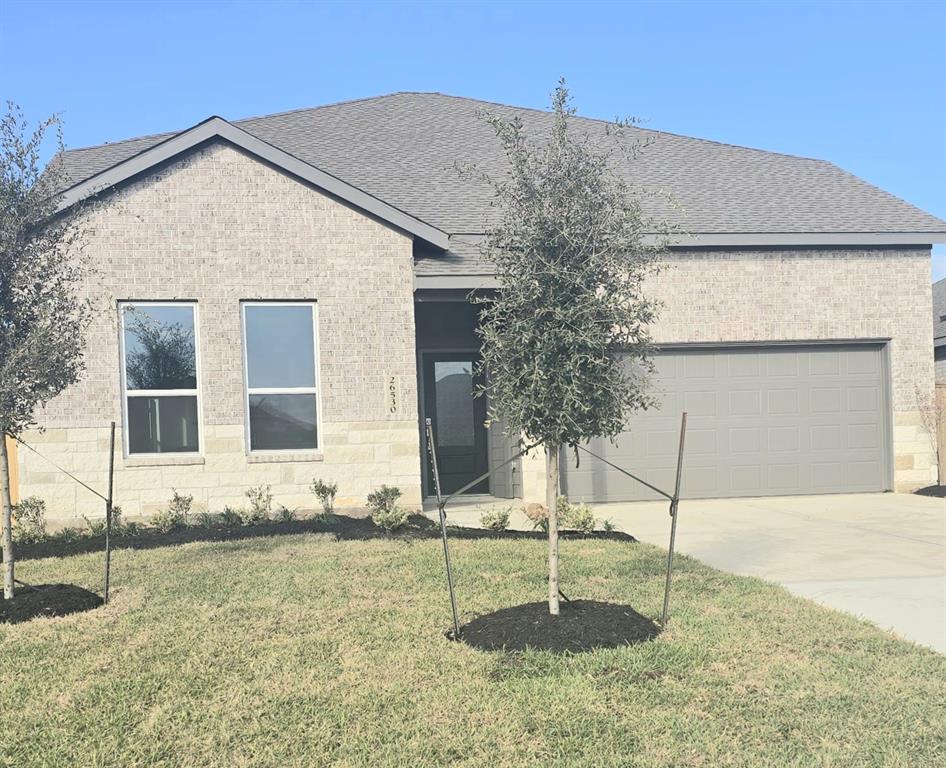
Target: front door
<point x="458" y="420"/>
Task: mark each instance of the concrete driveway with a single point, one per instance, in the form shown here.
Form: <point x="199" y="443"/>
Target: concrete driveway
<point x="880" y="556"/>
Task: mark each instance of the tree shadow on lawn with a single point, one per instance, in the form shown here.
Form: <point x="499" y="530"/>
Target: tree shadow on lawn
<point x="45" y="600"/>
<point x="582" y="625"/>
<point x="342" y="527"/>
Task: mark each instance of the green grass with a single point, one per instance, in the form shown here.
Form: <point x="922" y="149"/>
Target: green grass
<point x="306" y="651"/>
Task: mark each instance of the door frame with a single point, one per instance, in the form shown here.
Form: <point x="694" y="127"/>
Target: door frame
<point x="427" y="490"/>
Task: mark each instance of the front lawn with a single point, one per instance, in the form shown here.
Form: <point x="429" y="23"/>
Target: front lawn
<point x="304" y="650"/>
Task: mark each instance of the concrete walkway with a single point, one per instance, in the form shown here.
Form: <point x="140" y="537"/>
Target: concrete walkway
<point x="880" y="556"/>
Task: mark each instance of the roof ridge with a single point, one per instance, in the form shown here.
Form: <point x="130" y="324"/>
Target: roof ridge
<point x="321" y="106"/>
<point x="612" y="122"/>
<point x="160" y="135"/>
<point x="164" y="134"/>
<point x="469" y="99"/>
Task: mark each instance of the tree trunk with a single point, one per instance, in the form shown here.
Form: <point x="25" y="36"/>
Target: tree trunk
<point x="7" y="520"/>
<point x="551" y="493"/>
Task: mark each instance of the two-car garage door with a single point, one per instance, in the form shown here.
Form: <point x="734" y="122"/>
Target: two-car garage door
<point x="763" y="421"/>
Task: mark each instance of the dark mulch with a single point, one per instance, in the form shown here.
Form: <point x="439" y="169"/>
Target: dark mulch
<point x="343" y="527"/>
<point x="39" y="600"/>
<point x="939" y="491"/>
<point x="582" y="625"/>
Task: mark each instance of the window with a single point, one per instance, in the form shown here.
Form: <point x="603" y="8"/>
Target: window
<point x="279" y="346"/>
<point x="159" y="376"/>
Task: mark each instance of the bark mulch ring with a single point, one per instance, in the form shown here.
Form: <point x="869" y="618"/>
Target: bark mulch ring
<point x="582" y="625"/>
<point x="40" y="600"/>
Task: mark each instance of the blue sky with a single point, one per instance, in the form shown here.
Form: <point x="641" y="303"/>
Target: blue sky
<point x="862" y="84"/>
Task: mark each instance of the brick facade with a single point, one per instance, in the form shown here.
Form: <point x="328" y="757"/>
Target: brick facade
<point x="217" y="227"/>
<point x="808" y="294"/>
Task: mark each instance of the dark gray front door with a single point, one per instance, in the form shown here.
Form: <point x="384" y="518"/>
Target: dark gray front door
<point x="763" y="421"/>
<point x="458" y="420"/>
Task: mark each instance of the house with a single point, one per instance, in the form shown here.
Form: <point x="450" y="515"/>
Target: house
<point x="309" y="272"/>
<point x="939" y="330"/>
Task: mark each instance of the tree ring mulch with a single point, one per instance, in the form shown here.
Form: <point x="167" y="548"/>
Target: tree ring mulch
<point x="582" y="625"/>
<point x="35" y="601"/>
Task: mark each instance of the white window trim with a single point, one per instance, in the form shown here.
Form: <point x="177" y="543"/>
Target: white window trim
<point x="316" y="390"/>
<point x="126" y="393"/>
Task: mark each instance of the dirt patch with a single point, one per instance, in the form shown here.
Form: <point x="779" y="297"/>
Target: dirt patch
<point x="582" y="625"/>
<point x="45" y="600"/>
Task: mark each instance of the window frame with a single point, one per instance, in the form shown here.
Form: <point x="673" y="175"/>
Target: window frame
<point x="126" y="393"/>
<point x="315" y="390"/>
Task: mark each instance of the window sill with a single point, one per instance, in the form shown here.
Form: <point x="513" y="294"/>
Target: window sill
<point x="157" y="460"/>
<point x="276" y="458"/>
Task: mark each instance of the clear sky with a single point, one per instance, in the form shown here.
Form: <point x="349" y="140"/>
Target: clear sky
<point x="862" y="84"/>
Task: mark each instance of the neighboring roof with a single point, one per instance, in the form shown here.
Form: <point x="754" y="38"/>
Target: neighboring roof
<point x="939" y="313"/>
<point x="403" y="149"/>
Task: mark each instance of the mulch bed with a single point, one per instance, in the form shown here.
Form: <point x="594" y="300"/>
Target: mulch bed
<point x="343" y="527"/>
<point x="45" y="600"/>
<point x="581" y="625"/>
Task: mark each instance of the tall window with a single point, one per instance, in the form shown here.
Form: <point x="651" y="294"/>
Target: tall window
<point x="159" y="366"/>
<point x="279" y="343"/>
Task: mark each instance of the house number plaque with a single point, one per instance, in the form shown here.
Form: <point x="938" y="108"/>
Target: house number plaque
<point x="392" y="394"/>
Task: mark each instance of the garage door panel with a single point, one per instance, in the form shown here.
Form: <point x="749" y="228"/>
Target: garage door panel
<point x="782" y="478"/>
<point x="863" y="362"/>
<point x="863" y="399"/>
<point x="783" y="439"/>
<point x="826" y="363"/>
<point x="762" y="421"/>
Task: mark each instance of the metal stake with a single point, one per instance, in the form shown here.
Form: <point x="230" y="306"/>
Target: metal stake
<point x="674" y="503"/>
<point x="108" y="511"/>
<point x="441" y="504"/>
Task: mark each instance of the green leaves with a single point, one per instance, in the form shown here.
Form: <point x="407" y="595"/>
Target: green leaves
<point x="565" y="340"/>
<point x="42" y="320"/>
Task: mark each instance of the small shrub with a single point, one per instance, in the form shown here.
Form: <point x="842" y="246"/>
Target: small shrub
<point x="165" y="521"/>
<point x="390" y="519"/>
<point x="575" y="517"/>
<point x="608" y="525"/>
<point x="29" y="520"/>
<point x="175" y="516"/>
<point x="204" y="520"/>
<point x="94" y="526"/>
<point x="230" y="517"/>
<point x="386" y="513"/>
<point x="326" y="494"/>
<point x="130" y="529"/>
<point x="261" y="505"/>
<point x="284" y="514"/>
<point x="68" y="535"/>
<point x="496" y="519"/>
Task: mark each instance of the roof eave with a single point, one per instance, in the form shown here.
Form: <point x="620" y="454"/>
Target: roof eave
<point x="789" y="239"/>
<point x="217" y="127"/>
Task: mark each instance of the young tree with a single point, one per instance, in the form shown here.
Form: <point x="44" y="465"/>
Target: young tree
<point x="564" y="339"/>
<point x="42" y="322"/>
<point x="932" y="410"/>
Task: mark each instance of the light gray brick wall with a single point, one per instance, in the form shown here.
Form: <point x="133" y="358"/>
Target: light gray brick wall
<point x="804" y="294"/>
<point x="217" y="227"/>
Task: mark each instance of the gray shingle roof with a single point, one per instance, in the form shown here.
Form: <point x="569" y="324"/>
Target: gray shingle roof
<point x="939" y="313"/>
<point x="403" y="148"/>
